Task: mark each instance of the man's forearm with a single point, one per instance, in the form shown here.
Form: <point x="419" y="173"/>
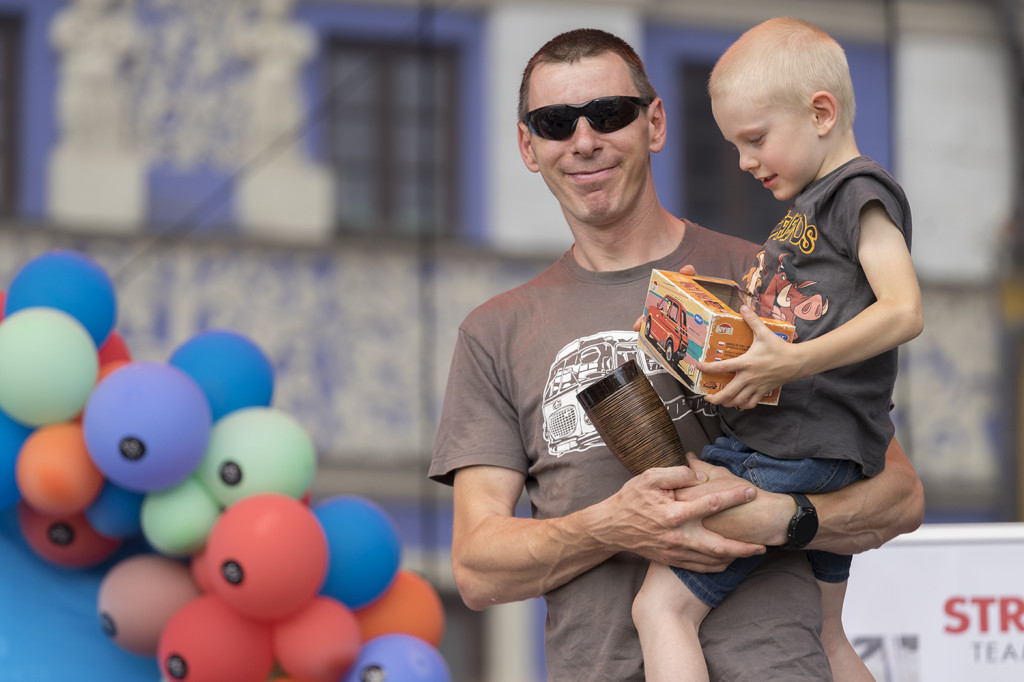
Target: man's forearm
<point x="854" y="519"/>
<point x="871" y="512"/>
<point x="510" y="559"/>
<point x="497" y="557"/>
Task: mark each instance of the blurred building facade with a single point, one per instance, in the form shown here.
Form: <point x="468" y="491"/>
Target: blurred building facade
<point x="340" y="182"/>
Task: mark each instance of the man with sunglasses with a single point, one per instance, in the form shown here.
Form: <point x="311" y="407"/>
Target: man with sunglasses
<point x="589" y="121"/>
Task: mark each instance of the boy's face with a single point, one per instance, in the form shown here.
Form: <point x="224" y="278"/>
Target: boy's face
<point x="783" y="148"/>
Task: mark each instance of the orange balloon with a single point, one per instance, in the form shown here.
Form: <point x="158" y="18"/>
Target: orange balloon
<point x="319" y="643"/>
<point x="137" y="598"/>
<point x="54" y="471"/>
<point x="67" y="541"/>
<point x="410" y="606"/>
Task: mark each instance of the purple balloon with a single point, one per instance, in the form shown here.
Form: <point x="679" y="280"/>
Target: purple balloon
<point x="146" y="426"/>
<point x="399" y="657"/>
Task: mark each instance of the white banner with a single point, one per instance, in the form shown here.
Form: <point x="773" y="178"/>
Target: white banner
<point x="943" y="603"/>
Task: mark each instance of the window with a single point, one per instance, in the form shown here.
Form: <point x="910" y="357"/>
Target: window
<point x="10" y="35"/>
<point x="392" y="137"/>
<point x="718" y="194"/>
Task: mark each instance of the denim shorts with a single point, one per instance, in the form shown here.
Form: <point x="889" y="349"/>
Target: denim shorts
<point x="777" y="476"/>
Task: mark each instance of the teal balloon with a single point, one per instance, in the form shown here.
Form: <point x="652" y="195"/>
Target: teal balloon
<point x="176" y="521"/>
<point x="257" y="450"/>
<point x="232" y="370"/>
<point x="48" y="366"/>
<point x="68" y="281"/>
<point x="12" y="436"/>
<point x="364" y="548"/>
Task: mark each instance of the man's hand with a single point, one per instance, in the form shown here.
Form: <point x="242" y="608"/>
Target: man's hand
<point x="769" y="363"/>
<point x="660" y="515"/>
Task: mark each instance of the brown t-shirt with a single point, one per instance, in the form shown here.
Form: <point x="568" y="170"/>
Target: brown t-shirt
<point x="519" y="362"/>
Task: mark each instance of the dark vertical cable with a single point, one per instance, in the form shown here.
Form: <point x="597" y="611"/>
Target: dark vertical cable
<point x="1011" y="497"/>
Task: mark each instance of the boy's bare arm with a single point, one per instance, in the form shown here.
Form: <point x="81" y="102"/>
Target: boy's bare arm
<point x="894" y="318"/>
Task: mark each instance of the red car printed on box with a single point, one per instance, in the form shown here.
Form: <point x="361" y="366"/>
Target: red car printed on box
<point x="665" y="325"/>
<point x="689" y="319"/>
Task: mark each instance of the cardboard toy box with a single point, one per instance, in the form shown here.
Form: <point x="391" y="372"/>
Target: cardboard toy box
<point x="689" y="319"/>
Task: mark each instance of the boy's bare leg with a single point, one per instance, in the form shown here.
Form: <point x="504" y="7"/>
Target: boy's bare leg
<point x="667" y="618"/>
<point x="846" y="664"/>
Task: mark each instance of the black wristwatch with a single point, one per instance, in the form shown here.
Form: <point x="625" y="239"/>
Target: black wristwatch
<point x="804" y="524"/>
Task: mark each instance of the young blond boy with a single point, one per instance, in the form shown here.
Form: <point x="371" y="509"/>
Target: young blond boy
<point x="838" y="266"/>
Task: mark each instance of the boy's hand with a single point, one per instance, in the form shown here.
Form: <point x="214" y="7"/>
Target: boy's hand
<point x="768" y="363"/>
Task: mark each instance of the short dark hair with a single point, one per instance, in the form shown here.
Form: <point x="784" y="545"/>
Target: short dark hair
<point x="572" y="46"/>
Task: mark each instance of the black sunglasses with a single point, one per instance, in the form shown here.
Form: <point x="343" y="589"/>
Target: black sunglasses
<point x="604" y="114"/>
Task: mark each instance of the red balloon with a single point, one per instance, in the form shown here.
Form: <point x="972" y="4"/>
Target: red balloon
<point x="54" y="471"/>
<point x="114" y="349"/>
<point x="319" y="643"/>
<point x="201" y="572"/>
<point x="138" y="596"/>
<point x="64" y="540"/>
<point x="267" y="554"/>
<point x="208" y="641"/>
<point x="410" y="606"/>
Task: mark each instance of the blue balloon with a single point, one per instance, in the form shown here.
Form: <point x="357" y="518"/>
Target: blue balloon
<point x="68" y="281"/>
<point x="364" y="550"/>
<point x="116" y="512"/>
<point x="147" y="426"/>
<point x="399" y="657"/>
<point x="12" y="436"/>
<point x="232" y="370"/>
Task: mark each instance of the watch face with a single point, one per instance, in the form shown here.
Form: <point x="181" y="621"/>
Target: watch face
<point x="804" y="527"/>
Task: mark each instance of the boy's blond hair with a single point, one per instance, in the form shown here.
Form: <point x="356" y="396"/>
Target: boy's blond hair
<point x="782" y="62"/>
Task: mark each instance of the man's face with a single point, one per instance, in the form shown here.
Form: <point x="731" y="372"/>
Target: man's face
<point x="598" y="178"/>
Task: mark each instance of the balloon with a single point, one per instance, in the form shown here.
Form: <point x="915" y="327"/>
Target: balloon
<point x="232" y="371"/>
<point x="268" y="556"/>
<point x="70" y="282"/>
<point x="67" y="541"/>
<point x="138" y="596"/>
<point x="12" y="437"/>
<point x="411" y="606"/>
<point x="48" y="366"/>
<point x="147" y="425"/>
<point x="319" y="643"/>
<point x="364" y="548"/>
<point x="257" y="450"/>
<point x="399" y="657"/>
<point x="208" y="641"/>
<point x="116" y="512"/>
<point x="202" y="574"/>
<point x="178" y="520"/>
<point x="114" y="349"/>
<point x="54" y="471"/>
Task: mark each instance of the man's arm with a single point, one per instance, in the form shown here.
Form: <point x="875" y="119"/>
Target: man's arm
<point x="854" y="519"/>
<point x="498" y="557"/>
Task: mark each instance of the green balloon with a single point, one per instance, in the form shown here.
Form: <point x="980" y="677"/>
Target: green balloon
<point x="257" y="450"/>
<point x="48" y="366"/>
<point x="177" y="520"/>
